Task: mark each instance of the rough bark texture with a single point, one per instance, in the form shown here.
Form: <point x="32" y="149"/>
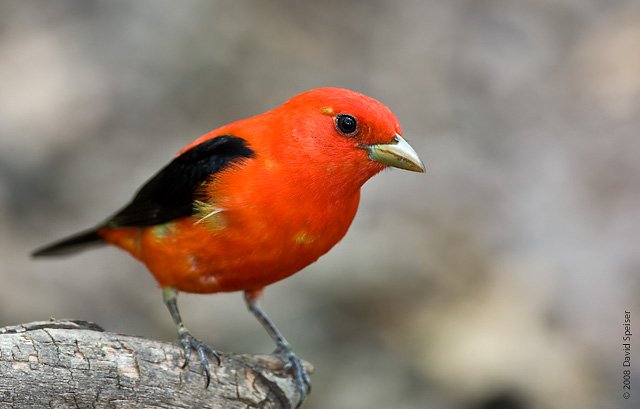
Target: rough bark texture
<point x="75" y="364"/>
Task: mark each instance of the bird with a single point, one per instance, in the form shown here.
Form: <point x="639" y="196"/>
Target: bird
<point x="253" y="202"/>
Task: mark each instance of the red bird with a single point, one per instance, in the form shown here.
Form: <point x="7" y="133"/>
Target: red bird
<point x="254" y="202"/>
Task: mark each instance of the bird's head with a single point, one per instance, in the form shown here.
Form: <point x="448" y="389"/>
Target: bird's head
<point x="349" y="130"/>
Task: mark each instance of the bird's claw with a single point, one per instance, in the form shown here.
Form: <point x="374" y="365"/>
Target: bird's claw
<point x="294" y="366"/>
<point x="190" y="343"/>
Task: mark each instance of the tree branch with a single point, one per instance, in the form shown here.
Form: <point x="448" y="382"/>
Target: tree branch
<point x="75" y="364"/>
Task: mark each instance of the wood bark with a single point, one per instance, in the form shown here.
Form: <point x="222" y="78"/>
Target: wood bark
<point x="76" y="364"/>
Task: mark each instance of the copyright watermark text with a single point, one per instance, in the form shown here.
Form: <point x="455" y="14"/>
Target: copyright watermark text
<point x="626" y="357"/>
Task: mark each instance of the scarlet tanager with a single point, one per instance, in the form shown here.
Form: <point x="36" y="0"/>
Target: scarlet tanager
<point x="253" y="202"/>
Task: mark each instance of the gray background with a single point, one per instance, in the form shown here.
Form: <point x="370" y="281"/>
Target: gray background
<point x="497" y="280"/>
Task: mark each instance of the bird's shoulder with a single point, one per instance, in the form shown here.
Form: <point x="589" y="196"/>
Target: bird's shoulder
<point x="170" y="194"/>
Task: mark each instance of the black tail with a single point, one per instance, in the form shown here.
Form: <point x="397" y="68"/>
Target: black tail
<point x="72" y="244"/>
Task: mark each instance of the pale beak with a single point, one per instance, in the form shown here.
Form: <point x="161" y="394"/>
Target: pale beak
<point x="398" y="154"/>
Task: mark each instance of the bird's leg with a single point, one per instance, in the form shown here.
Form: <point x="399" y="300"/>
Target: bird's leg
<point x="188" y="342"/>
<point x="283" y="349"/>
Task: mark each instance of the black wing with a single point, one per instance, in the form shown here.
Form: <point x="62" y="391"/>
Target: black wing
<point x="170" y="194"/>
<point x="167" y="196"/>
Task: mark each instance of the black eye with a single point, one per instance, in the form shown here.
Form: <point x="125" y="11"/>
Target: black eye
<point x="347" y="124"/>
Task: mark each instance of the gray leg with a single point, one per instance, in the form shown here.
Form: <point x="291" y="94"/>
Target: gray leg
<point x="283" y="349"/>
<point x="188" y="342"/>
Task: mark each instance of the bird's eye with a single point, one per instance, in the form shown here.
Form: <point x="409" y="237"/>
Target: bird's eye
<point x="347" y="125"/>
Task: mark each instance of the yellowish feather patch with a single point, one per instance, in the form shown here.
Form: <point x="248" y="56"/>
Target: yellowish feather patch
<point x="163" y="230"/>
<point x="303" y="237"/>
<point x="210" y="215"/>
<point x="326" y="111"/>
<point x="271" y="165"/>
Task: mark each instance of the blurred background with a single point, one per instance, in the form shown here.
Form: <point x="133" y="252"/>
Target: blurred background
<point x="497" y="280"/>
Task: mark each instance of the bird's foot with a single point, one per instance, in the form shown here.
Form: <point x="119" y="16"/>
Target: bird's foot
<point x="189" y="343"/>
<point x="294" y="366"/>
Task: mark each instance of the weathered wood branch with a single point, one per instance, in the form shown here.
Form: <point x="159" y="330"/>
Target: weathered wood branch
<point x="75" y="364"/>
